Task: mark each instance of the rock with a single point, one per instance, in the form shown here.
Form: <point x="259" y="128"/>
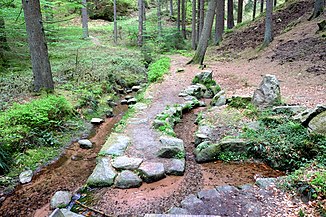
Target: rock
<point x="208" y="194"/>
<point x="171" y="147"/>
<point x="132" y="101"/>
<point x="115" y="145"/>
<point x="200" y="138"/>
<point x="179" y="70"/>
<point x="265" y="182"/>
<point x="57" y="213"/>
<point x="189" y="98"/>
<point x="129" y="91"/>
<point x="294" y="109"/>
<point x="318" y="124"/>
<point x="124" y="102"/>
<point x="206" y="130"/>
<point x="254" y="125"/>
<point x="109" y="113"/>
<point x="128" y="97"/>
<point x="137" y="121"/>
<point x="268" y="92"/>
<point x="191" y="201"/>
<point x="226" y="189"/>
<point x="158" y="123"/>
<point x="176" y="167"/>
<point x="205" y="152"/>
<point x="136" y="88"/>
<point x="126" y="163"/>
<point x="182" y="94"/>
<point x="194" y="90"/>
<point x="127" y="179"/>
<point x="140" y="106"/>
<point x="202" y="104"/>
<point x="233" y="145"/>
<point x="103" y="175"/>
<point x="60" y="199"/>
<point x="178" y="211"/>
<point x="85" y="143"/>
<point x="151" y="172"/>
<point x="204" y="77"/>
<point x="97" y="120"/>
<point x="68" y="213"/>
<point x="306" y="116"/>
<point x="26" y="176"/>
<point x="219" y="99"/>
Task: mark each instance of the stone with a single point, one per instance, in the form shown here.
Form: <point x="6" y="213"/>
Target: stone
<point x="26" y="176"/>
<point x="226" y="189"/>
<point x="254" y="125"/>
<point x="60" y="199"/>
<point x="124" y="102"/>
<point x="306" y="116"/>
<point x="113" y="104"/>
<point x="126" y="163"/>
<point x="115" y="145"/>
<point x="137" y="120"/>
<point x="136" y="88"/>
<point x="85" y="143"/>
<point x="191" y="201"/>
<point x="127" y="179"/>
<point x="206" y="130"/>
<point x="178" y="211"/>
<point x="179" y="70"/>
<point x="193" y="90"/>
<point x="103" y="175"/>
<point x="171" y="147"/>
<point x="318" y="124"/>
<point x="183" y="94"/>
<point x="219" y="99"/>
<point x="97" y="120"/>
<point x="208" y="194"/>
<point x="294" y="109"/>
<point x="109" y="113"/>
<point x="205" y="152"/>
<point x="128" y="97"/>
<point x="265" y="182"/>
<point x="204" y="77"/>
<point x="132" y="101"/>
<point x="57" y="213"/>
<point x="176" y="167"/>
<point x="140" y="106"/>
<point x="200" y="138"/>
<point x="68" y="213"/>
<point x="158" y="123"/>
<point x="189" y="98"/>
<point x="233" y="144"/>
<point x="151" y="172"/>
<point x="268" y="93"/>
<point x="129" y="91"/>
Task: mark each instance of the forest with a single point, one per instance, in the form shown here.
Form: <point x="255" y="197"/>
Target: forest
<point x="150" y="107"/>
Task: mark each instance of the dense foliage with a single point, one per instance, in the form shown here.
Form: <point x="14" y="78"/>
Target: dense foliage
<point x="158" y="69"/>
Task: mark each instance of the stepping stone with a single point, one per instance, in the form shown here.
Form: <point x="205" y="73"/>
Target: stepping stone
<point x="97" y="120"/>
<point x="151" y="172"/>
<point x="115" y="145"/>
<point x="176" y="167"/>
<point x="85" y="143"/>
<point x="128" y="97"/>
<point x="129" y="91"/>
<point x="171" y="147"/>
<point x="124" y="102"/>
<point x="60" y="199"/>
<point x="103" y="174"/>
<point x="132" y="101"/>
<point x="26" y="176"/>
<point x="127" y="179"/>
<point x="126" y="163"/>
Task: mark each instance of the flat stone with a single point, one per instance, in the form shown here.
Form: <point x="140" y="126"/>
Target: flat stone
<point x="136" y="88"/>
<point x="97" y="120"/>
<point x="176" y="167"/>
<point x="208" y="194"/>
<point x="132" y="101"/>
<point x="103" y="175"/>
<point x="151" y="172"/>
<point x="171" y="147"/>
<point x="189" y="98"/>
<point x="26" y="176"/>
<point x="129" y="91"/>
<point x="126" y="163"/>
<point x="233" y="144"/>
<point x="60" y="199"/>
<point x="191" y="201"/>
<point x="183" y="94"/>
<point x="115" y="145"/>
<point x="124" y="102"/>
<point x="127" y="179"/>
<point x="68" y="213"/>
<point x="205" y="152"/>
<point x="178" y="211"/>
<point x="128" y="97"/>
<point x="85" y="143"/>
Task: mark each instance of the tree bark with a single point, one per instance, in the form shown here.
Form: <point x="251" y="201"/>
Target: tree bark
<point x="262" y="6"/>
<point x="201" y="16"/>
<point x="159" y="20"/>
<point x="198" y="21"/>
<point x="268" y="23"/>
<point x="254" y="10"/>
<point x="140" y="22"/>
<point x="84" y="19"/>
<point x="183" y="23"/>
<point x="230" y="18"/>
<point x="193" y="25"/>
<point x="179" y="14"/>
<point x="275" y="3"/>
<point x="204" y="37"/>
<point x="3" y="41"/>
<point x="318" y="9"/>
<point x="219" y="24"/>
<point x="240" y="11"/>
<point x="115" y="24"/>
<point x="171" y="8"/>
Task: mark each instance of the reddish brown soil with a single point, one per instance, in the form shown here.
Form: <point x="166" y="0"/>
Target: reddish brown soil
<point x="65" y="174"/>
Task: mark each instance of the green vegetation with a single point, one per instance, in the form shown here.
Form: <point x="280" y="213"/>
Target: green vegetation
<point x="228" y="156"/>
<point x="158" y="69"/>
<point x="121" y="125"/>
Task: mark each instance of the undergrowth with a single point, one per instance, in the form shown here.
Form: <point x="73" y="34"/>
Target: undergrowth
<point x="158" y="69"/>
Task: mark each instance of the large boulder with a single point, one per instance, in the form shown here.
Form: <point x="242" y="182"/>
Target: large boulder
<point x="60" y="199"/>
<point x="103" y="175"/>
<point x="205" y="152"/>
<point x="115" y="145"/>
<point x="151" y="172"/>
<point x="318" y="124"/>
<point x="127" y="179"/>
<point x="171" y="147"/>
<point x="268" y="92"/>
<point x="126" y="163"/>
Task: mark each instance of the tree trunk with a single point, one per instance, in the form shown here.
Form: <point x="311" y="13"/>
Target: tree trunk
<point x="159" y="20"/>
<point x="201" y="16"/>
<point x="254" y="10"/>
<point x="204" y="37"/>
<point x="140" y="22"/>
<point x="198" y="21"/>
<point x="84" y="19"/>
<point x="262" y="6"/>
<point x="240" y="11"/>
<point x="171" y="8"/>
<point x="268" y="23"/>
<point x="219" y="24"/>
<point x="39" y="52"/>
<point x="115" y="24"/>
<point x="230" y="18"/>
<point x="193" y="26"/>
<point x="179" y="14"/>
<point x="318" y="9"/>
<point x="3" y="41"/>
<point x="275" y="3"/>
<point x="183" y="23"/>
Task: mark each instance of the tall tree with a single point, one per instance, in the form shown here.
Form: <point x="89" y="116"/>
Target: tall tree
<point x="37" y="46"/>
<point x="204" y="37"/>
<point x="171" y="8"/>
<point x="254" y="10"/>
<point x="140" y="22"/>
<point x="84" y="19"/>
<point x="219" y="24"/>
<point x="159" y="20"/>
<point x="3" y="41"/>
<point x="318" y="9"/>
<point x="275" y="3"/>
<point x="193" y="25"/>
<point x="179" y="14"/>
<point x="240" y="11"/>
<point x="268" y="23"/>
<point x="183" y="23"/>
<point x="262" y="6"/>
<point x="115" y="24"/>
<point x="230" y="18"/>
<point x="201" y="16"/>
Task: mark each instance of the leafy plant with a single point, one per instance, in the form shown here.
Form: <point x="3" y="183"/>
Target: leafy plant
<point x="158" y="69"/>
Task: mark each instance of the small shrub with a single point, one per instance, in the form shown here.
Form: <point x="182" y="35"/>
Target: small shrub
<point x="158" y="69"/>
